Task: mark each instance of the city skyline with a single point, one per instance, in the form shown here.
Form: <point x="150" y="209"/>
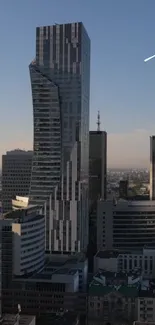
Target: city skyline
<point x="122" y="86"/>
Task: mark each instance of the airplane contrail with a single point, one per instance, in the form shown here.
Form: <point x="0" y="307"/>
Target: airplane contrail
<point x="148" y="59"/>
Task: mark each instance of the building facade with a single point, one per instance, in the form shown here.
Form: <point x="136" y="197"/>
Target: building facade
<point x="97" y="184"/>
<point x="146" y="307"/>
<point x="125" y="225"/>
<point x="60" y="80"/>
<point x="22" y="243"/>
<point x="112" y="297"/>
<point x="97" y="165"/>
<point x="125" y="261"/>
<point x="16" y="175"/>
<point x="123" y="189"/>
<point x="152" y="167"/>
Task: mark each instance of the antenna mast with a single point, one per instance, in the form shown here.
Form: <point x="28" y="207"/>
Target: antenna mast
<point x="98" y="121"/>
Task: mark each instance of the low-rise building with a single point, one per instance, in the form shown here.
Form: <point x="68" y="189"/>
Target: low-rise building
<point x="16" y="319"/>
<point x="112" y="297"/>
<point x="146" y="306"/>
<point x="126" y="261"/>
<point x="125" y="225"/>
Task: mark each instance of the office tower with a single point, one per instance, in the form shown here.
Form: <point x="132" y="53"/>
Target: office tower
<point x="152" y="167"/>
<point x="125" y="225"/>
<point x="97" y="183"/>
<point x="123" y="189"/>
<point x="60" y="80"/>
<point x="16" y="174"/>
<point x="97" y="165"/>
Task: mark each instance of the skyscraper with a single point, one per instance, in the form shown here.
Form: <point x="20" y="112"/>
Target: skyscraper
<point x="97" y="183"/>
<point x="16" y="175"/>
<point x="123" y="189"/>
<point x="60" y="80"/>
<point x="97" y="165"/>
<point x="152" y="167"/>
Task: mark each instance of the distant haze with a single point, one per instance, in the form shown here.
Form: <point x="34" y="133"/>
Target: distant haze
<point x="124" y="149"/>
<point x="129" y="149"/>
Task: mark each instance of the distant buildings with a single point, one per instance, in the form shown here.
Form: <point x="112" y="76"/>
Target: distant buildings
<point x="152" y="167"/>
<point x="126" y="225"/>
<point x="60" y="80"/>
<point x="16" y="175"/>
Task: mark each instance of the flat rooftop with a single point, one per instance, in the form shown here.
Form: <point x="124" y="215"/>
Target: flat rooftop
<point x="11" y="319"/>
<point x="127" y="203"/>
<point x="20" y="215"/>
<point x="68" y="318"/>
<point x="113" y="275"/>
<point x="48" y="276"/>
<point x="107" y="254"/>
<point x="115" y="253"/>
<point x="98" y="289"/>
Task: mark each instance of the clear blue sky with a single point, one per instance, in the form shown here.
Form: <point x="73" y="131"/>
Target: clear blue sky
<point x="122" y="34"/>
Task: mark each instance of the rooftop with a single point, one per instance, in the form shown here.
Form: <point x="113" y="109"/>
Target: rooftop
<point x="126" y="203"/>
<point x="27" y="214"/>
<point x="107" y="254"/>
<point x="67" y="318"/>
<point x="98" y="289"/>
<point x="11" y="319"/>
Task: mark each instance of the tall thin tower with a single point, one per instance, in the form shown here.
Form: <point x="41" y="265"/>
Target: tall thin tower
<point x="60" y="80"/>
<point x="98" y="121"/>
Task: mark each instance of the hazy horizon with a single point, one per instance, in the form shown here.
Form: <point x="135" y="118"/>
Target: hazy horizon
<point x="118" y="146"/>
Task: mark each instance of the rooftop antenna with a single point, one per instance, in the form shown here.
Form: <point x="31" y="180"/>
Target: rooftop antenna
<point x="98" y="121"/>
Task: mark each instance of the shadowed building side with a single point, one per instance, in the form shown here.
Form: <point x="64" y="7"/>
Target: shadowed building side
<point x="152" y="167"/>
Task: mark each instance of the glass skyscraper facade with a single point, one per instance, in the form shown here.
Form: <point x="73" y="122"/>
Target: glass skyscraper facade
<point x="60" y="80"/>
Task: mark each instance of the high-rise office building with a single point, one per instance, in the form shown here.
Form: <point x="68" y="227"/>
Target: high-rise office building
<point x="97" y="165"/>
<point x="123" y="189"/>
<point x="152" y="167"/>
<point x="97" y="183"/>
<point x="60" y="80"/>
<point x="16" y="175"/>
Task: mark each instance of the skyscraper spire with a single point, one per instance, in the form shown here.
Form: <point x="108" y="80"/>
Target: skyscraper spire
<point x="98" y="121"/>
